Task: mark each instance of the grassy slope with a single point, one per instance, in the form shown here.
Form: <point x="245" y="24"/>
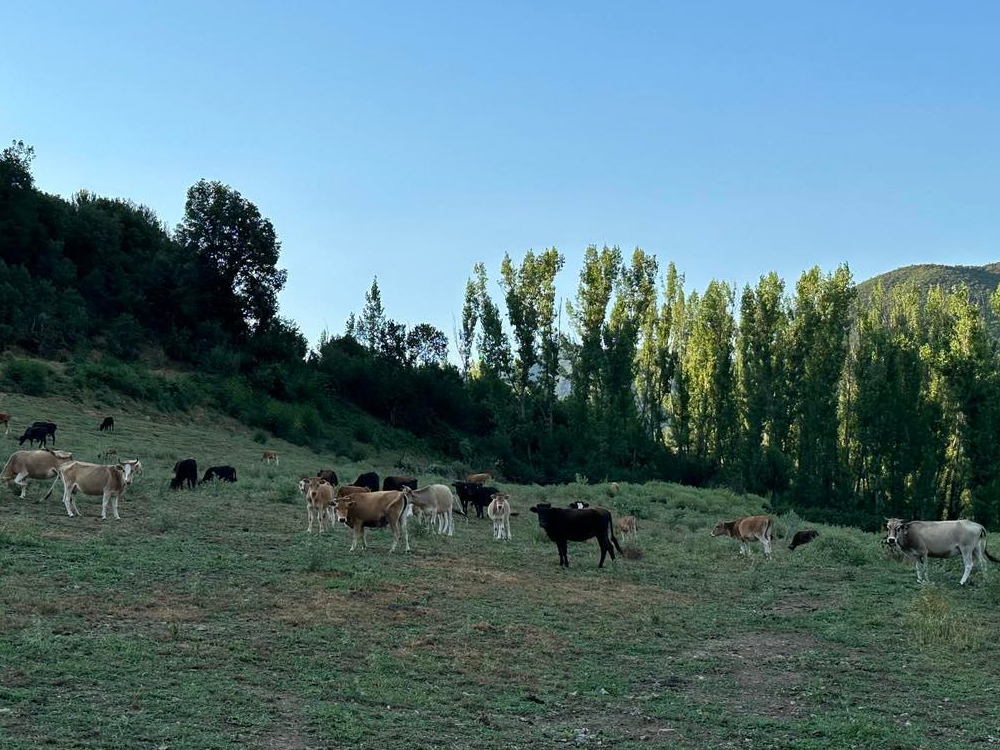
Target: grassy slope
<point x="210" y="619"/>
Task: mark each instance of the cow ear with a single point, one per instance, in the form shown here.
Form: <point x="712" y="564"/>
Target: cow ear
<point x="323" y="481"/>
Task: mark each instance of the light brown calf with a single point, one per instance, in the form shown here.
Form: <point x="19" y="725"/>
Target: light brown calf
<point x="319" y="500"/>
<point x="747" y="529"/>
<point x="269" y="457"/>
<point x="93" y="480"/>
<point x="40" y="464"/>
<point x="627" y="525"/>
<point x="368" y="510"/>
<point x="481" y="478"/>
<point x="499" y="513"/>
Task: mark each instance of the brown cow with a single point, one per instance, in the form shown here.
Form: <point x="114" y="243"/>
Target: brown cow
<point x="40" y="464"/>
<point x="481" y="478"/>
<point x="319" y="500"/>
<point x="374" y="510"/>
<point x="627" y="525"/>
<point x="270" y="457"/>
<point x="93" y="480"/>
<point x="5" y="420"/>
<point x="748" y="529"/>
<point x="349" y="489"/>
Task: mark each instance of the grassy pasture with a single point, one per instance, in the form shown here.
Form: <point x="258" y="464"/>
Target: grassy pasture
<point x="210" y="619"/>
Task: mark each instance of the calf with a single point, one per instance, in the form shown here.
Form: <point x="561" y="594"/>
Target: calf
<point x="564" y="525"/>
<point x="185" y="471"/>
<point x="5" y="421"/>
<point x="480" y="478"/>
<point x="627" y="525"/>
<point x="269" y="457"/>
<point x="319" y="500"/>
<point x="747" y="530"/>
<point x="93" y="480"/>
<point x="437" y="503"/>
<point x="369" y="480"/>
<point x="49" y="427"/>
<point x="398" y="483"/>
<point x="329" y="475"/>
<point x="222" y="473"/>
<point x="613" y="489"/>
<point x="474" y="494"/>
<point x="40" y="464"/>
<point x="499" y="513"/>
<point x="108" y="425"/>
<point x="35" y="435"/>
<point x="374" y="510"/>
<point x="802" y="537"/>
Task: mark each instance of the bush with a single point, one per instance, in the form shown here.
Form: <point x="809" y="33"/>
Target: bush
<point x="27" y="377"/>
<point x="934" y="622"/>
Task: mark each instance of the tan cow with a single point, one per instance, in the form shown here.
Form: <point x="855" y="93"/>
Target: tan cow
<point x="269" y="457"/>
<point x="919" y="540"/>
<point x="93" y="479"/>
<point x="5" y="420"/>
<point x="437" y="503"/>
<point x="372" y="510"/>
<point x="481" y="478"/>
<point x="747" y="530"/>
<point x="319" y="500"/>
<point x="627" y="525"/>
<point x="40" y="464"/>
<point x="346" y="490"/>
<point x="499" y="513"/>
<point x="613" y="489"/>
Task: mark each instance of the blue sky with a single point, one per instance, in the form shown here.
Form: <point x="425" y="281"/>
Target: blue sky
<point x="411" y="140"/>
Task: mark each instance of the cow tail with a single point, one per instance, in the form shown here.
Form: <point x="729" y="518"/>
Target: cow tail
<point x="986" y="551"/>
<point x="51" y="488"/>
<point x="611" y="530"/>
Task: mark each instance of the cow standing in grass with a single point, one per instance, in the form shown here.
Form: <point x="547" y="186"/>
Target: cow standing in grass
<point x="919" y="540"/>
<point x="40" y="464"/>
<point x="108" y="425"/>
<point x="375" y="510"/>
<point x="107" y="482"/>
<point x="747" y="530"/>
<point x="319" y="501"/>
<point x="499" y="513"/>
<point x="563" y="525"/>
<point x="436" y="502"/>
<point x="5" y="421"/>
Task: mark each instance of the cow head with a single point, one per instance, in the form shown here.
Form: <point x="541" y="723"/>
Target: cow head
<point x="895" y="531"/>
<point x="131" y="468"/>
<point x="578" y="505"/>
<point x="723" y="528"/>
<point x="310" y="487"/>
<point x="342" y="508"/>
<point x="542" y="511"/>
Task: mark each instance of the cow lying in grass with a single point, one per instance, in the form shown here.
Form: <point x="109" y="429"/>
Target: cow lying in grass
<point x="374" y="510"/>
<point x="319" y="501"/>
<point x="564" y="525"/>
<point x="747" y="530"/>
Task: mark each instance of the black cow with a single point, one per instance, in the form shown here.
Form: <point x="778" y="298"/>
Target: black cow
<point x="108" y="425"/>
<point x="49" y="427"/>
<point x="802" y="537"/>
<point x="578" y="505"/>
<point x="329" y="475"/>
<point x="577" y="525"/>
<point x="473" y="493"/>
<point x="185" y="471"/>
<point x="369" y="480"/>
<point x="35" y="434"/>
<point x="222" y="473"/>
<point x="398" y="483"/>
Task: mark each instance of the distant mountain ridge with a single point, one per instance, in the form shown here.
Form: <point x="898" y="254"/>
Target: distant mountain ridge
<point x="981" y="280"/>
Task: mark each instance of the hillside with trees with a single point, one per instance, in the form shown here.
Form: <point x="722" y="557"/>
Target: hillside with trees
<point x="796" y="392"/>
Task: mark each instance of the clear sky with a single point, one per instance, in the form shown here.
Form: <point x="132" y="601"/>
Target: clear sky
<point x="410" y="140"/>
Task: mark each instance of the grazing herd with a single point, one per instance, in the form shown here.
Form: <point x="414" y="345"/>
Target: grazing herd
<point x="363" y="505"/>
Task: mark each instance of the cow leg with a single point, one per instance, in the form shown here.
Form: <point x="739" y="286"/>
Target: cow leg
<point x="563" y="557"/>
<point x="21" y="481"/>
<point x="967" y="559"/>
<point x="67" y="497"/>
<point x="114" y="507"/>
<point x="354" y="539"/>
<point x="309" y="512"/>
<point x="766" y="542"/>
<point x="104" y="505"/>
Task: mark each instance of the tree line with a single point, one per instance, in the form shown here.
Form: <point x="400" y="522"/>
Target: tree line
<point x="848" y="412"/>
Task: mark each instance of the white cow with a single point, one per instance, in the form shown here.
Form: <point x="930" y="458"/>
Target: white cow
<point x="435" y="501"/>
<point x="919" y="540"/>
<point x="499" y="513"/>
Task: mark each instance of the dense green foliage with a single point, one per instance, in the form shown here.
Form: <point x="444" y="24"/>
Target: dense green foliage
<point x="849" y="411"/>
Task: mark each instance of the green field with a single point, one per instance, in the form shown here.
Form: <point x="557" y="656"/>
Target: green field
<point x="210" y="619"/>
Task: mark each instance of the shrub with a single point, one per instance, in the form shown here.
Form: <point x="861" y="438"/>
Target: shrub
<point x="27" y="377"/>
<point x="934" y="622"/>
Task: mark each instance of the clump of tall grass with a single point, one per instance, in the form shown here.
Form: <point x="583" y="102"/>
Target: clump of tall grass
<point x="934" y="622"/>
